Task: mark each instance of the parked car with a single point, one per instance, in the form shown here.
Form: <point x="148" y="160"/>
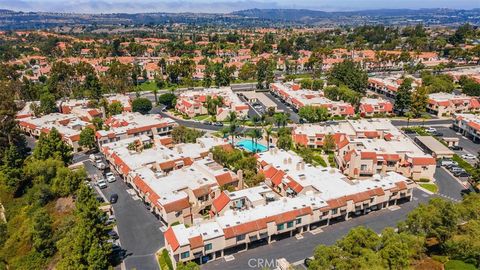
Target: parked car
<point x="113" y="198"/>
<point x="465" y="191"/>
<point x="307" y="261"/>
<point x="207" y="122"/>
<point x="94" y="157"/>
<point x="456" y="169"/>
<point x="101" y="183"/>
<point x="218" y="124"/>
<point x="431" y="130"/>
<point x="111" y="219"/>
<point x="110" y="177"/>
<point x="100" y="199"/>
<point x="469" y="156"/>
<point x="456" y="147"/>
<point x="461" y="174"/>
<point x="113" y="234"/>
<point x="437" y="134"/>
<point x="100" y="165"/>
<point x="448" y="162"/>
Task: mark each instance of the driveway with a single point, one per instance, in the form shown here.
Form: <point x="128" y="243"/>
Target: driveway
<point x="295" y="250"/>
<point x="449" y="187"/>
<point x="282" y="106"/>
<point x="138" y="229"/>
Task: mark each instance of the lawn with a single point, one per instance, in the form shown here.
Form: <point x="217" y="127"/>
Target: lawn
<point x="430" y="187"/>
<point x="147" y="86"/>
<point x="458" y="265"/>
<point x="201" y="117"/>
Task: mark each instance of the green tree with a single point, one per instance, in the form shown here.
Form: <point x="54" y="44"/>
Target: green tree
<point x="66" y="182"/>
<point x="403" y="98"/>
<point x="419" y="101"/>
<point x="51" y="146"/>
<point x="167" y="99"/>
<point x="141" y="105"/>
<point x="182" y="134"/>
<point x="42" y="233"/>
<point x="47" y="103"/>
<point x="87" y="138"/>
<point x="328" y="143"/>
<point x="313" y="114"/>
<point x="115" y="108"/>
<point x="350" y="74"/>
<point x="285" y="142"/>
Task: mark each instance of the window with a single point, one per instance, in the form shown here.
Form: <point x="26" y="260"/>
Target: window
<point x="334" y="211"/>
<point x="280" y="227"/>
<point x="290" y="224"/>
<point x="208" y="246"/>
<point x="299" y="220"/>
<point x="240" y="237"/>
<point x="185" y="255"/>
<point x="363" y="167"/>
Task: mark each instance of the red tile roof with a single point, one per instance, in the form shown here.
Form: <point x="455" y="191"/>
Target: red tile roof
<point x="196" y="242"/>
<point x="224" y="179"/>
<point x="220" y="202"/>
<point x="171" y="239"/>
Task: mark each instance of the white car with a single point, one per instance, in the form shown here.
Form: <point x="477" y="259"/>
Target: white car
<point x="101" y="183"/>
<point x="469" y="156"/>
<point x="431" y="130"/>
<point x="100" y="165"/>
<point x="447" y="162"/>
<point x="110" y="177"/>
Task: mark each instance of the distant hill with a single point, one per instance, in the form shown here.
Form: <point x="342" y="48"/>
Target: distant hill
<point x="309" y="16"/>
<point x="243" y="18"/>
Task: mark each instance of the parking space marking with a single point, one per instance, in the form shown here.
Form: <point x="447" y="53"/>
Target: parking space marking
<point x="229" y="258"/>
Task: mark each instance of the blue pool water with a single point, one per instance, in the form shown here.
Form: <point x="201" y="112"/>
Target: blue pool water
<point x="251" y="146"/>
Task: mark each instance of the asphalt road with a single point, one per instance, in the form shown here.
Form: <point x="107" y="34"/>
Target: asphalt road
<point x="282" y="106"/>
<point x="448" y="185"/>
<point x="139" y="230"/>
<point x="468" y="145"/>
<point x="295" y="250"/>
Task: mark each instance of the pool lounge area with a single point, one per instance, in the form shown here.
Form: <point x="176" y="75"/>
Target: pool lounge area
<point x="250" y="146"/>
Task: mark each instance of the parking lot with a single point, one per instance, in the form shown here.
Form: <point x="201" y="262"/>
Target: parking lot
<point x="139" y="230"/>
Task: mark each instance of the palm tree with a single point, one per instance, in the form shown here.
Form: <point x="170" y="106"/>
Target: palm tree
<point x="255" y="134"/>
<point x="232" y="119"/>
<point x="281" y="119"/>
<point x="268" y="132"/>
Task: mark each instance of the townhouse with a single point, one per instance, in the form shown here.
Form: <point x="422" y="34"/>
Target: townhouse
<point x="307" y="198"/>
<point x="468" y="125"/>
<point x="192" y="103"/>
<point x="122" y="99"/>
<point x="313" y="135"/>
<point x="366" y="157"/>
<point x="375" y="106"/>
<point x="368" y="146"/>
<point x="177" y="183"/>
<point x="388" y="85"/>
<point x="128" y="124"/>
<point x="446" y="104"/>
<point x="69" y="126"/>
<point x="297" y="98"/>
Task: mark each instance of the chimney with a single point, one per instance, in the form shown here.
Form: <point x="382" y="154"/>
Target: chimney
<point x="299" y="166"/>
<point x="210" y="155"/>
<point x="179" y="149"/>
<point x="289" y="160"/>
<point x="240" y="179"/>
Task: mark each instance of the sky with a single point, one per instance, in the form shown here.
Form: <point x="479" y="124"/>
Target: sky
<point x="221" y="6"/>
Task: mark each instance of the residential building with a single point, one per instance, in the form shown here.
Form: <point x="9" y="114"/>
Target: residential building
<point x="313" y="135"/>
<point x="179" y="183"/>
<point x="192" y="103"/>
<point x="311" y="197"/>
<point x="468" y="125"/>
<point x="446" y="104"/>
<point x="297" y="98"/>
<point x="375" y="106"/>
<point x="128" y="124"/>
<point x="68" y="125"/>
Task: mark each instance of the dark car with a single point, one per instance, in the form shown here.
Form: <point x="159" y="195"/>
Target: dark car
<point x="114" y="198"/>
<point x="307" y="261"/>
<point x="207" y="122"/>
<point x="461" y="174"/>
<point x="100" y="199"/>
<point x="113" y="234"/>
<point x="456" y="147"/>
<point x="437" y="134"/>
<point x="465" y="191"/>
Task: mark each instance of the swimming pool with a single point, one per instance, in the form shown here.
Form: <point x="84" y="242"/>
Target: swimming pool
<point x="251" y="146"/>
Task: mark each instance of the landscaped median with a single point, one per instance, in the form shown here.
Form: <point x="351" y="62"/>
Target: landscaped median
<point x="164" y="261"/>
<point x="429" y="186"/>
